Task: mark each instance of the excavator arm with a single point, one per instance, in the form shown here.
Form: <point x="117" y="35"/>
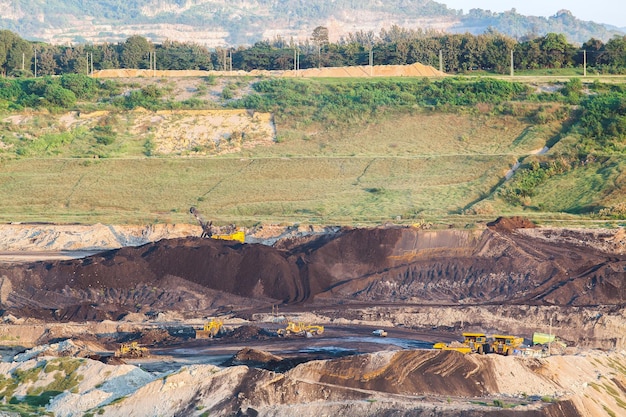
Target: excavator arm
<point x="207" y="227"/>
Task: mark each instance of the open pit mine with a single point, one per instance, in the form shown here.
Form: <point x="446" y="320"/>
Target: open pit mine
<point x="503" y="319"/>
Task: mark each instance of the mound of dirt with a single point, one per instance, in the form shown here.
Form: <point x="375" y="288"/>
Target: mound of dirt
<point x="413" y="70"/>
<point x="156" y="337"/>
<point x="408" y="371"/>
<point x="508" y="224"/>
<point x="254" y="355"/>
<point x="247" y="332"/>
<point x="390" y="265"/>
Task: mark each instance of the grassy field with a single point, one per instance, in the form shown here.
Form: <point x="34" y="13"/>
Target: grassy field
<point x="402" y="165"/>
<point x="320" y="189"/>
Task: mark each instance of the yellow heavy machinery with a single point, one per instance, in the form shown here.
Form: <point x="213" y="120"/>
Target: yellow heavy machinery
<point x="211" y="329"/>
<point x="300" y="329"/>
<point x="505" y="344"/>
<point x="208" y="230"/>
<point x="472" y="343"/>
<point x="238" y="235"/>
<point x="131" y="350"/>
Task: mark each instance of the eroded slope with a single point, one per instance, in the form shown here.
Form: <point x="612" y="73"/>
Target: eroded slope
<point x="382" y="265"/>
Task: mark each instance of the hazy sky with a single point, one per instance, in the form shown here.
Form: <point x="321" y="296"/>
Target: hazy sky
<point x="601" y="11"/>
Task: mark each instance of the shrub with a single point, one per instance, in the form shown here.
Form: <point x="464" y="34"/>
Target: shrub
<point x="81" y="85"/>
<point x="57" y="96"/>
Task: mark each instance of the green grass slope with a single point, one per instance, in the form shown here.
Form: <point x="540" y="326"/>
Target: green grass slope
<point x="345" y="152"/>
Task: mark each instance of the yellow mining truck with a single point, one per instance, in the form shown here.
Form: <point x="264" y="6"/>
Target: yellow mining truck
<point x="211" y="329"/>
<point x="300" y="329"/>
<point x="472" y="343"/>
<point x="131" y="350"/>
<point x="505" y="345"/>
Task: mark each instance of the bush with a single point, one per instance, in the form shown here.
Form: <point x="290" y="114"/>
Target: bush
<point x="604" y="117"/>
<point x="81" y="85"/>
<point x="58" y="96"/>
<point x="342" y="102"/>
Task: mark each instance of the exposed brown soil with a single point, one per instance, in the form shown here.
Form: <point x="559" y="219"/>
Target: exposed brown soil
<point x="421" y="285"/>
<point x="508" y="224"/>
<point x="382" y="265"/>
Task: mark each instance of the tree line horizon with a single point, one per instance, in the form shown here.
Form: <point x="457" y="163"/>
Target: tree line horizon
<point x="454" y="53"/>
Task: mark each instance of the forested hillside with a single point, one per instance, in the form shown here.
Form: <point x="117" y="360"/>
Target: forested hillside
<point x="220" y="23"/>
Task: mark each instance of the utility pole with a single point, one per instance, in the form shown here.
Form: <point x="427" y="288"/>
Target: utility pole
<point x="584" y="62"/>
<point x="512" y="69"/>
<point x="91" y="63"/>
<point x="319" y="56"/>
<point x="231" y="61"/>
<point x="35" y="63"/>
<point x="23" y="59"/>
<point x="296" y="60"/>
<point x="550" y="338"/>
<point x="371" y="60"/>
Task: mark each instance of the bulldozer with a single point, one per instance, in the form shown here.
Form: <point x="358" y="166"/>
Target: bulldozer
<point x="472" y="343"/>
<point x="211" y="329"/>
<point x="131" y="350"/>
<point x="300" y="329"/>
<point x="505" y="345"/>
<point x="208" y="231"/>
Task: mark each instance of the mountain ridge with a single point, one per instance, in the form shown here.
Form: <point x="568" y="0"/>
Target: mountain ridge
<point x="220" y="23"/>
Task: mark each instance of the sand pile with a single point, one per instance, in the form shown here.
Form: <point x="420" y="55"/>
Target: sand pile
<point x="413" y="70"/>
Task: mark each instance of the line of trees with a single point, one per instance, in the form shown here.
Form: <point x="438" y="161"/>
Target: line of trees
<point x="459" y="52"/>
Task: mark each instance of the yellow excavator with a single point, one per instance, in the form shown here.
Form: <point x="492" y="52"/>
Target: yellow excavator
<point x="208" y="230"/>
<point x="300" y="329"/>
<point x="131" y="350"/>
<point x="211" y="329"/>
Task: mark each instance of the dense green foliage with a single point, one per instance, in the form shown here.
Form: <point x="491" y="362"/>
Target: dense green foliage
<point x="49" y="92"/>
<point x="603" y="122"/>
<point x="524" y="185"/>
<point x="599" y="133"/>
<point x="358" y="99"/>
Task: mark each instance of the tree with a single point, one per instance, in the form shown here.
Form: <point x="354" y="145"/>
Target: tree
<point x="557" y="52"/>
<point x="110" y="56"/>
<point x="497" y="51"/>
<point x="46" y="64"/>
<point x="319" y="37"/>
<point x="135" y="52"/>
<point x="15" y="53"/>
<point x="614" y="52"/>
<point x="593" y="48"/>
